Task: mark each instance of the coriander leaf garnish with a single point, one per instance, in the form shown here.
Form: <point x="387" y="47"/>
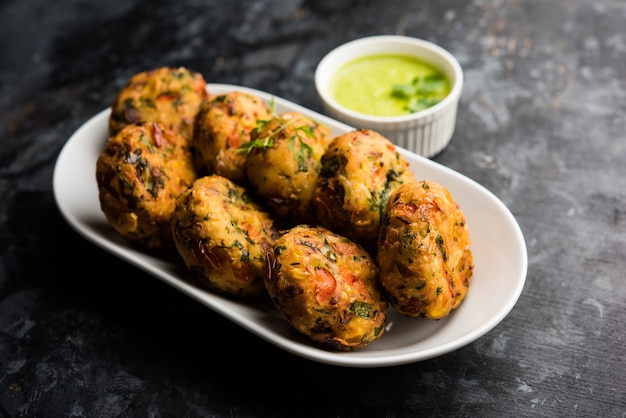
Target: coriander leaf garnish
<point x="305" y="150"/>
<point x="422" y="93"/>
<point x="248" y="146"/>
<point x="268" y="140"/>
<point x="272" y="106"/>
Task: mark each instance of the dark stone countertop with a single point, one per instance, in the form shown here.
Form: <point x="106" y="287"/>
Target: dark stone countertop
<point x="541" y="123"/>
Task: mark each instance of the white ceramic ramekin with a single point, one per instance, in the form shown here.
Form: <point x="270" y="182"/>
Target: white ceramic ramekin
<point x="426" y="132"/>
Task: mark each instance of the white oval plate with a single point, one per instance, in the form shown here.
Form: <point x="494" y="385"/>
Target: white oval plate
<point x="497" y="242"/>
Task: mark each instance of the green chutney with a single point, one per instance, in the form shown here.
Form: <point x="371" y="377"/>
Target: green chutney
<point x="388" y="85"/>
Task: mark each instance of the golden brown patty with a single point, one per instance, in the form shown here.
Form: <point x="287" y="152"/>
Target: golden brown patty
<point x="140" y="173"/>
<point x="359" y="171"/>
<point x="170" y="96"/>
<point x="283" y="164"/>
<point x="326" y="285"/>
<point x="424" y="251"/>
<point x="223" y="236"/>
<point x="222" y="125"/>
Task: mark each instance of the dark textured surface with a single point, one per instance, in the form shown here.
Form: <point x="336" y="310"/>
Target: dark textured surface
<point x="542" y="124"/>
